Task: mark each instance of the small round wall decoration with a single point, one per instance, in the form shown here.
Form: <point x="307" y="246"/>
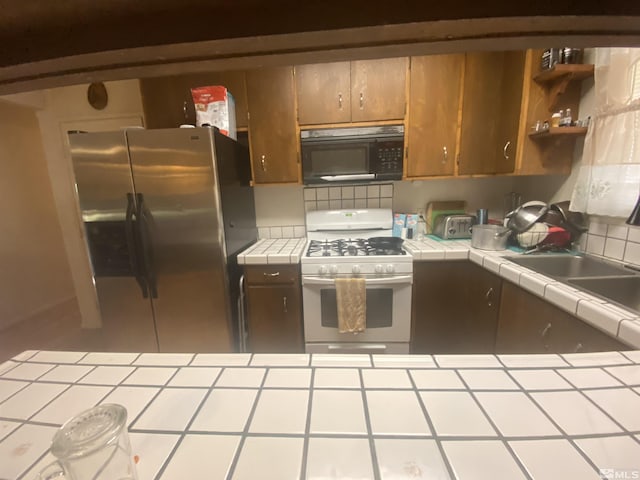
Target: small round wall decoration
<point x="97" y="95"/>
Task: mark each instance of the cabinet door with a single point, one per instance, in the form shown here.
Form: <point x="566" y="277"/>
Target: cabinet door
<point x="378" y="89"/>
<point x="490" y="112"/>
<point x="167" y="101"/>
<point x="274" y="319"/>
<point x="434" y="101"/>
<point x="455" y="308"/>
<point x="272" y="125"/>
<point x="530" y="324"/>
<point x="324" y="93"/>
<point x="525" y="322"/>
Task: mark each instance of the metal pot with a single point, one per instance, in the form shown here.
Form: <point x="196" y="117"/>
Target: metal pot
<point x="489" y="237"/>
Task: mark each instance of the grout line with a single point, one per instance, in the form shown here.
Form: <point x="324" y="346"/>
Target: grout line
<point x="367" y="419"/>
<point x="307" y="426"/>
<point x="186" y="428"/>
<point x="254" y="407"/>
<point x="436" y="437"/>
<point x="500" y="436"/>
<point x="565" y="435"/>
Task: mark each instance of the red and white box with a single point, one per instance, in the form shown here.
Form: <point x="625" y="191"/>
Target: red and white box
<point x="215" y="107"/>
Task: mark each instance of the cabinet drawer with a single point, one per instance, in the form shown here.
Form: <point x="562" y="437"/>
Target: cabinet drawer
<point x="271" y="274"/>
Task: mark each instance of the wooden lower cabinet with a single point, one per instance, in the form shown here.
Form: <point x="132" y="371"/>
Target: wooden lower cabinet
<point x="455" y="307"/>
<point x="530" y="324"/>
<point x="274" y="309"/>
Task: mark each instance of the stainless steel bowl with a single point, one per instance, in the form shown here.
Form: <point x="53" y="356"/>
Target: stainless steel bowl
<point x="523" y="217"/>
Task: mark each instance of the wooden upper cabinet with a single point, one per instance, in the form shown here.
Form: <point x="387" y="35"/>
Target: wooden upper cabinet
<point x="434" y="102"/>
<point x="167" y="101"/>
<point x="378" y="89"/>
<point x="490" y="112"/>
<point x="273" y="136"/>
<point x="324" y="93"/>
<point x="343" y="92"/>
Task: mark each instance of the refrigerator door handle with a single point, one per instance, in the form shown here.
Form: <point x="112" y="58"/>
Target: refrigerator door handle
<point x="132" y="246"/>
<point x="145" y="243"/>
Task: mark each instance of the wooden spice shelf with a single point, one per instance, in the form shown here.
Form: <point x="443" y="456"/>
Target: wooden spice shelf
<point x="558" y="132"/>
<point x="577" y="71"/>
<point x="556" y="80"/>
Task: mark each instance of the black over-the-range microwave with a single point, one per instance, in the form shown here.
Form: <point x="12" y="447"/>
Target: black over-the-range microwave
<point x="352" y="154"/>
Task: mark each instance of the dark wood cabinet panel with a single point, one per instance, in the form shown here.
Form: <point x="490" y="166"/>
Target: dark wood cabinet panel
<point x="274" y="309"/>
<point x="434" y="102"/>
<point x="273" y="133"/>
<point x="359" y="91"/>
<point x="529" y="324"/>
<point x="167" y="101"/>
<point x="378" y="89"/>
<point x="324" y="93"/>
<point x="455" y="308"/>
<point x="490" y="112"/>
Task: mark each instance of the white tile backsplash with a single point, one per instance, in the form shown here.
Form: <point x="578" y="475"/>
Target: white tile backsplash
<point x="360" y="196"/>
<point x="595" y="244"/>
<point x="614" y="248"/>
<point x="613" y="239"/>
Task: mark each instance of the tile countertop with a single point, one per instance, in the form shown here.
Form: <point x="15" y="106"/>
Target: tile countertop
<point x="273" y="251"/>
<point x="608" y="317"/>
<point x="243" y="416"/>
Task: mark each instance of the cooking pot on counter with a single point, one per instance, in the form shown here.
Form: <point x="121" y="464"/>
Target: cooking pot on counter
<point x="489" y="237"/>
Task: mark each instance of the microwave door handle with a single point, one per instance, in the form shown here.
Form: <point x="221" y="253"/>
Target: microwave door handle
<point x="372" y="281"/>
<point x="342" y="178"/>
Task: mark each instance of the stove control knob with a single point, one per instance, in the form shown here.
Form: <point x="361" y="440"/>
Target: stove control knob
<point x="322" y="270"/>
<point x="355" y="269"/>
<point x="333" y="269"/>
<point x="379" y="269"/>
<point x="390" y="268"/>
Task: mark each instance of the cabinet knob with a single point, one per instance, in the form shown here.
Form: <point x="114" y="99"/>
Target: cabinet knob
<point x="271" y="275"/>
<point x="445" y="155"/>
<point x="284" y="304"/>
<point x="579" y="348"/>
<point x="546" y="330"/>
<point x="505" y="149"/>
<point x="340" y="101"/>
<point x="263" y="158"/>
<point x="361" y="100"/>
<point x="184" y="111"/>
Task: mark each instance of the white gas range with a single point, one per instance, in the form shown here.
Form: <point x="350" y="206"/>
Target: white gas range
<point x="356" y="243"/>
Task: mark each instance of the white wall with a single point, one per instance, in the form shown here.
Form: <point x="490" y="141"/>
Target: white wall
<point x="278" y="208"/>
<point x="486" y="192"/>
<point x="34" y="274"/>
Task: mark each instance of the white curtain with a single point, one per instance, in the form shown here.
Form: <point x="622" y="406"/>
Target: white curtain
<point x="608" y="182"/>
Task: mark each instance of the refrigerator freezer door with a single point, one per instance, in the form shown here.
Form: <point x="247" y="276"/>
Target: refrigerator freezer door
<point x="105" y="195"/>
<point x="177" y="187"/>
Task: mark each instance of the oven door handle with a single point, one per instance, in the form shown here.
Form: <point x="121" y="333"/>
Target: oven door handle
<point x="357" y="348"/>
<point x="408" y="279"/>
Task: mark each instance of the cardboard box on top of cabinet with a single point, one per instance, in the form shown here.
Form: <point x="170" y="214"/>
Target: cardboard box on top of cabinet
<point x="216" y="107"/>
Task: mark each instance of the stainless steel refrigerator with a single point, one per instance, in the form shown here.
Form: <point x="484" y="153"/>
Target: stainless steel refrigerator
<point x="165" y="214"/>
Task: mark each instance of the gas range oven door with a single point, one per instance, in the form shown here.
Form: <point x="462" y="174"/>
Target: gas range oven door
<point x="388" y="311"/>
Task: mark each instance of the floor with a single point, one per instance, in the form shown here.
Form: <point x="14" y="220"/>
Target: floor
<point x="56" y="329"/>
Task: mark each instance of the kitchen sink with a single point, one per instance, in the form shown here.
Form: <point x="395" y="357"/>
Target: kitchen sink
<point x="570" y="266"/>
<point x="622" y="290"/>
